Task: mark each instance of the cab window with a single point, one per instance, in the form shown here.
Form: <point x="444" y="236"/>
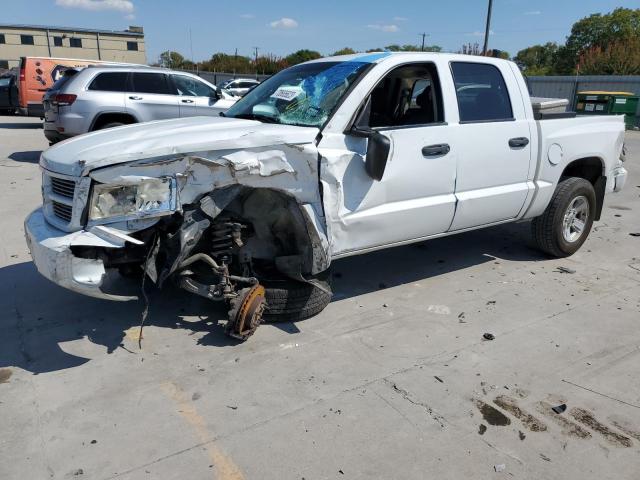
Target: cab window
<point x="407" y="96"/>
<point x="481" y="92"/>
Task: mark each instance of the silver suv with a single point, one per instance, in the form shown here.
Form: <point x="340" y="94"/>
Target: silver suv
<point x="240" y="86"/>
<point x="98" y="97"/>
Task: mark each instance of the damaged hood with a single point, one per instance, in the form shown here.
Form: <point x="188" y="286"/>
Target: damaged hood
<point x="167" y="138"/>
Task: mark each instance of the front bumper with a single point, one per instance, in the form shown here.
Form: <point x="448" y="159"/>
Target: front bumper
<point x="51" y="252"/>
<point x="620" y="175"/>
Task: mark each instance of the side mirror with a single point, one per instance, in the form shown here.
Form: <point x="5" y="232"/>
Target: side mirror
<point x="377" y="155"/>
<point x="378" y="146"/>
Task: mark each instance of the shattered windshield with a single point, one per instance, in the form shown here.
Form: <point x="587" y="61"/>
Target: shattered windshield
<point x="303" y="95"/>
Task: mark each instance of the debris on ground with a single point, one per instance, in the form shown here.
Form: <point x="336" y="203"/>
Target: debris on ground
<point x="635" y="234"/>
<point x="544" y="457"/>
<point x="438" y="378"/>
<point x="559" y="408"/>
<point x="491" y="302"/>
<point x="482" y="428"/>
<point x="500" y="468"/>
<point x="461" y="318"/>
<point x="565" y="270"/>
<point x="489" y="336"/>
<point x="521" y="435"/>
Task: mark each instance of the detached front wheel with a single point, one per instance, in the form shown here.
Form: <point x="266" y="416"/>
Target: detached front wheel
<point x="565" y="224"/>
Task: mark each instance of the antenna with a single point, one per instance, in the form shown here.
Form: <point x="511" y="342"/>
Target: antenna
<point x="423" y="35"/>
<point x="487" y="30"/>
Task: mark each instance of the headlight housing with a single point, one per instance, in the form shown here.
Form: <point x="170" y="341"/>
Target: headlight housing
<point x="138" y="197"/>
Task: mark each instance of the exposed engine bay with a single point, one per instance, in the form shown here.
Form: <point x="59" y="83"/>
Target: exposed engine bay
<point x="229" y="246"/>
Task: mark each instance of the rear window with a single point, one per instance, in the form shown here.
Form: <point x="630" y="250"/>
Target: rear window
<point x="481" y="92"/>
<point x="64" y="78"/>
<point x="110" y="82"/>
<point x="5" y="81"/>
<point x="151" y="83"/>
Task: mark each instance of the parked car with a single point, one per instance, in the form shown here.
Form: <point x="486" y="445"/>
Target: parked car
<point x="37" y="74"/>
<point x="95" y="98"/>
<point x="240" y="86"/>
<point x="327" y="159"/>
<point x="8" y="93"/>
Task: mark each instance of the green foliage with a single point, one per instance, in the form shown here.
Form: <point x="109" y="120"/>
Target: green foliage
<point x="596" y="30"/>
<point x="621" y="57"/>
<point x="407" y="48"/>
<point x="344" y="51"/>
<point x="538" y="59"/>
<point x="171" y="59"/>
<point x="302" y="56"/>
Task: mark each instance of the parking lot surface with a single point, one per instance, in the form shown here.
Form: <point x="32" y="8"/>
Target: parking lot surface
<point x="394" y="380"/>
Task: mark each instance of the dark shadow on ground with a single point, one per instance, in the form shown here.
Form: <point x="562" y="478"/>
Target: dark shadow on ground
<point x="38" y="316"/>
<point x="22" y="126"/>
<point x="31" y="156"/>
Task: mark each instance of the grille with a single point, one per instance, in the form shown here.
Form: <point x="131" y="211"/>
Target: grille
<point x="62" y="211"/>
<point x="63" y="187"/>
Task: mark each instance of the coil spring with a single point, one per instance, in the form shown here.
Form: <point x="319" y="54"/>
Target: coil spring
<point x="225" y="237"/>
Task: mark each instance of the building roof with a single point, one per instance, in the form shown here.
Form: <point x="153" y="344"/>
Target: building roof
<point x="128" y="33"/>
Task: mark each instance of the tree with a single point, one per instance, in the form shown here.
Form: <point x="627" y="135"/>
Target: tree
<point x="538" y="59"/>
<point x="302" y="56"/>
<point x="596" y="30"/>
<point x="617" y="58"/>
<point x="344" y="51"/>
<point x="171" y="59"/>
<point x="407" y="48"/>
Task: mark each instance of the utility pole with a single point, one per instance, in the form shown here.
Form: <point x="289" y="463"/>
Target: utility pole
<point x="256" y="61"/>
<point x="191" y="48"/>
<point x="423" y="35"/>
<point x="235" y="63"/>
<point x="487" y="30"/>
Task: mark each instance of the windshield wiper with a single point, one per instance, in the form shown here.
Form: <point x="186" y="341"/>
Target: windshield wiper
<point x="257" y="116"/>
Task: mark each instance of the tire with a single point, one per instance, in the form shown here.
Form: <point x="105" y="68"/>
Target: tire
<point x="111" y="125"/>
<point x="549" y="230"/>
<point x="290" y="301"/>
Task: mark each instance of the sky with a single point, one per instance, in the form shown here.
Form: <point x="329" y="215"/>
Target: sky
<point x="280" y="27"/>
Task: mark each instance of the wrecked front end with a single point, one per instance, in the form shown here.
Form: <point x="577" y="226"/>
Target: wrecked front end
<point x="221" y="224"/>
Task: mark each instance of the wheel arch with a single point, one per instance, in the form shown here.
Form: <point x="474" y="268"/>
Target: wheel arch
<point x="103" y="118"/>
<point x="593" y="170"/>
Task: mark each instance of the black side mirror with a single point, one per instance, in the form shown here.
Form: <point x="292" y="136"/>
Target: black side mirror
<point x="378" y="146"/>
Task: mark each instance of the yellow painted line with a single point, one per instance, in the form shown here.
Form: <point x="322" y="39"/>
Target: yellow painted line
<point x="225" y="468"/>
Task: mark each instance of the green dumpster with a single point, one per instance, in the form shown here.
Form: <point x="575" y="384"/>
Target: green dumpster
<point x="608" y="103"/>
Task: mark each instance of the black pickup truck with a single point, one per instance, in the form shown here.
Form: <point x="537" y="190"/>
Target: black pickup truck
<point x="8" y="93"/>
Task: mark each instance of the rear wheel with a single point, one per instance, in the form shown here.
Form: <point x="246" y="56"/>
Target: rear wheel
<point x="290" y="301"/>
<point x="565" y="224"/>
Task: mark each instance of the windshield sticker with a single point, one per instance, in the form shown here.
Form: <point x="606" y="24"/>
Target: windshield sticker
<point x="287" y="94"/>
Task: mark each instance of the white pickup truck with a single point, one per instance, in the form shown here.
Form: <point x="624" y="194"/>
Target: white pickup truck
<point x="330" y="158"/>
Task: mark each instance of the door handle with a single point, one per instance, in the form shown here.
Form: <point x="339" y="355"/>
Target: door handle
<point x="518" y="142"/>
<point x="435" y="150"/>
<point x="187" y="101"/>
<point x="135" y="97"/>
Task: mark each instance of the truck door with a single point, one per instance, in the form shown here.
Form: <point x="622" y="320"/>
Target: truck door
<point x="150" y="97"/>
<point x="415" y="197"/>
<point x="492" y="143"/>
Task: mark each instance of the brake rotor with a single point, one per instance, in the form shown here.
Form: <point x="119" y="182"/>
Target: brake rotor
<point x="246" y="311"/>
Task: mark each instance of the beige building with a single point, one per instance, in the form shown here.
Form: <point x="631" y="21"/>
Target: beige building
<point x="42" y="41"/>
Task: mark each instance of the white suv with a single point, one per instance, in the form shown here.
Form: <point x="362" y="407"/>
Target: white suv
<point x="240" y="86"/>
<point x="101" y="97"/>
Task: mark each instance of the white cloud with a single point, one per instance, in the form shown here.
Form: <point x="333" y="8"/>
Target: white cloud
<point x="284" y="22"/>
<point x="247" y="16"/>
<point x="384" y="28"/>
<point x="533" y="12"/>
<point x="125" y="6"/>
<point x="130" y="16"/>
<point x="400" y="19"/>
